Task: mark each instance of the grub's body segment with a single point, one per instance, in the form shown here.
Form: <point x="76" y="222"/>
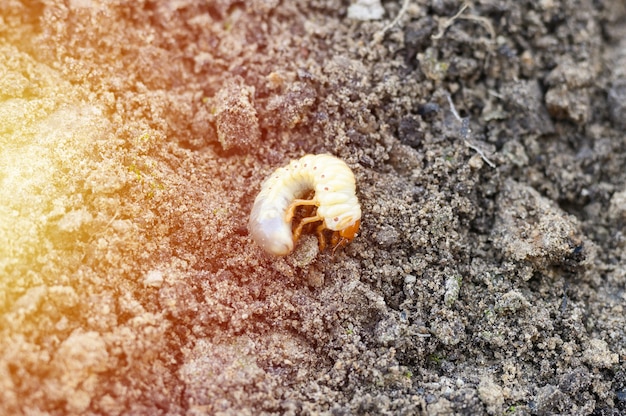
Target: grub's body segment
<point x="337" y="205"/>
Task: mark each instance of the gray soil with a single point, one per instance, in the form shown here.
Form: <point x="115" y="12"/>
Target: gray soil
<point x="489" y="273"/>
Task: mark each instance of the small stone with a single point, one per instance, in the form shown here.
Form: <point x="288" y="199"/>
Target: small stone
<point x="491" y="395"/>
<point x="366" y="10"/>
<point x="563" y="103"/>
<point x="617" y="209"/>
<point x="511" y="302"/>
<point x="154" y="278"/>
<point x="73" y="220"/>
<point x="598" y="354"/>
<point x="453" y="287"/>
<point x="617" y="104"/>
<point x="387" y="236"/>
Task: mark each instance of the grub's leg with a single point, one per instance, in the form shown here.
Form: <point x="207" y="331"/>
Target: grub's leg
<point x="291" y="210"/>
<point x="298" y="230"/>
<point x="337" y="241"/>
<point x="320" y="236"/>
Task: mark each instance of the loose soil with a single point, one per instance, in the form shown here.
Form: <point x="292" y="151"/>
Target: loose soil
<point x="489" y="273"/>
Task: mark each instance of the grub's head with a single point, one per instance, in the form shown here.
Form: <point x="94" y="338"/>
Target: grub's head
<point x="344" y="236"/>
<point x="350" y="231"/>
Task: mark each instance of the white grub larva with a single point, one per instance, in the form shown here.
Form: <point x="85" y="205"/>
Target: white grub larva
<point x="338" y="208"/>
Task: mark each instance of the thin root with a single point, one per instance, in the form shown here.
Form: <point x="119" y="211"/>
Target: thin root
<point x="465" y="131"/>
<point x="378" y="36"/>
<point x="449" y="22"/>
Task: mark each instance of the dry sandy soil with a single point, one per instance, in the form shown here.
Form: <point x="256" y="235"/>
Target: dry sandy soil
<point x="490" y="270"/>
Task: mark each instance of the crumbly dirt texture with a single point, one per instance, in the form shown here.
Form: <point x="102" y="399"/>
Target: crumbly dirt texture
<point x="489" y="273"/>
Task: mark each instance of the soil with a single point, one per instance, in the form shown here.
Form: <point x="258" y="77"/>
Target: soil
<point x="488" y="145"/>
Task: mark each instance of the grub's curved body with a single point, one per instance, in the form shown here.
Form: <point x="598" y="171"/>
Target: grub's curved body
<point x="337" y="205"/>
